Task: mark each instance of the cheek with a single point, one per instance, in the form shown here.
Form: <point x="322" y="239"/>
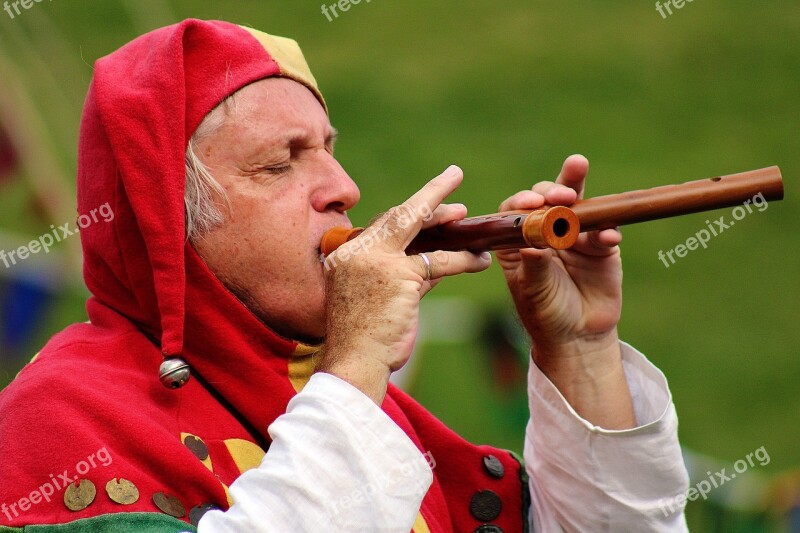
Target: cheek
<point x="275" y="221"/>
<point x="268" y="239"/>
<point x="274" y="243"/>
<point x="276" y="271"/>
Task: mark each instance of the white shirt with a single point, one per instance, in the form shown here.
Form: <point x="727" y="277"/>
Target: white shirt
<point x="339" y="463"/>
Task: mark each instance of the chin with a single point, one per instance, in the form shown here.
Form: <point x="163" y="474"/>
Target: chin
<point x="312" y="328"/>
<point x="306" y="333"/>
<point x="312" y="335"/>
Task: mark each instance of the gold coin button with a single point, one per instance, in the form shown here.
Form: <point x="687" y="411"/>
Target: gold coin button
<point x="79" y="495"/>
<point x="197" y="447"/>
<point x="169" y="504"/>
<point x="122" y="491"/>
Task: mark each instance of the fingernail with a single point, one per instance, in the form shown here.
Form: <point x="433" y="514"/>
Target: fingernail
<point x="486" y="256"/>
<point x="452" y="170"/>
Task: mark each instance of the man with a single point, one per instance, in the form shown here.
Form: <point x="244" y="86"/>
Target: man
<point x="212" y="143"/>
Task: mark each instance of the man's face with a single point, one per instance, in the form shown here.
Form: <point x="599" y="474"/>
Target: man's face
<point x="274" y="158"/>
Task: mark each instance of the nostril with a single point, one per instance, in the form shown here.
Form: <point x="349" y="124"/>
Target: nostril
<point x="337" y="206"/>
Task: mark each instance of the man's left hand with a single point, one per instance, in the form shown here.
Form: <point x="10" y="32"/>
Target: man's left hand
<point x="570" y="303"/>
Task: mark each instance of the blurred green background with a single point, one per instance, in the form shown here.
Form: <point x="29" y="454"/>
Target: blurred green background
<point x="507" y="91"/>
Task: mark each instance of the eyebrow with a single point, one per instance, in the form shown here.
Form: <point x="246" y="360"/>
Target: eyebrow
<point x="300" y="137"/>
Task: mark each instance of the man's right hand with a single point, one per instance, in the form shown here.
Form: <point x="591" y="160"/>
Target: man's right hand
<point x="373" y="288"/>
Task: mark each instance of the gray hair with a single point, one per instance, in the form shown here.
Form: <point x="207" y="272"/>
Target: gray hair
<point x="203" y="193"/>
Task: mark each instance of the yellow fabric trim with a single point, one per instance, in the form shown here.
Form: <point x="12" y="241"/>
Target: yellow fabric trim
<point x="287" y="54"/>
<point x="227" y="494"/>
<point x="29" y="362"/>
<point x="207" y="460"/>
<point x="245" y="454"/>
<point x="301" y="368"/>
<point x="302" y="365"/>
<point x="420" y="525"/>
<point x="306" y="349"/>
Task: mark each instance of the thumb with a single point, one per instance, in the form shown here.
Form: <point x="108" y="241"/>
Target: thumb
<point x="537" y="266"/>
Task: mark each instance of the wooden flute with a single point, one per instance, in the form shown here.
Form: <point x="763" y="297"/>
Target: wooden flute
<point x="558" y="227"/>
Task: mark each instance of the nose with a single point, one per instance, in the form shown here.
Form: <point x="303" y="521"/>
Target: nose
<point x="336" y="191"/>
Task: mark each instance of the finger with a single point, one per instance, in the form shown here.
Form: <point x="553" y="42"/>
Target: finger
<point x="567" y="188"/>
<point x="522" y="200"/>
<point x="537" y="267"/>
<point x="555" y="193"/>
<point x="403" y="222"/>
<point x="450" y="263"/>
<point x="443" y="214"/>
<point x="598" y="243"/>
<point x="607" y="238"/>
<point x="378" y="219"/>
<point x="428" y="286"/>
<point x="573" y="173"/>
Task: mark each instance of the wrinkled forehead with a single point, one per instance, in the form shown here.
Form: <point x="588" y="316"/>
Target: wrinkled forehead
<point x="277" y="99"/>
<point x="269" y="110"/>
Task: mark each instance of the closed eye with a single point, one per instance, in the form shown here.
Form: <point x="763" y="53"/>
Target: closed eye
<point x="278" y="170"/>
<point x="330" y="141"/>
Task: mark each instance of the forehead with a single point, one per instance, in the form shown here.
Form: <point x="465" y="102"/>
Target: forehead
<point x="275" y="104"/>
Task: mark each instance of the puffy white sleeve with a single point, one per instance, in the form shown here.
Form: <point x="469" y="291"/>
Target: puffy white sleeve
<point x="586" y="478"/>
<point x="337" y="463"/>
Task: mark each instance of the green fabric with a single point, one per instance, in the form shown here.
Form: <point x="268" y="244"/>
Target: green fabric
<point x="526" y="491"/>
<point x="118" y="522"/>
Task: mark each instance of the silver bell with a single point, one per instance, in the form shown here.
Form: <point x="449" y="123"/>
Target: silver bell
<point x="174" y="373"/>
